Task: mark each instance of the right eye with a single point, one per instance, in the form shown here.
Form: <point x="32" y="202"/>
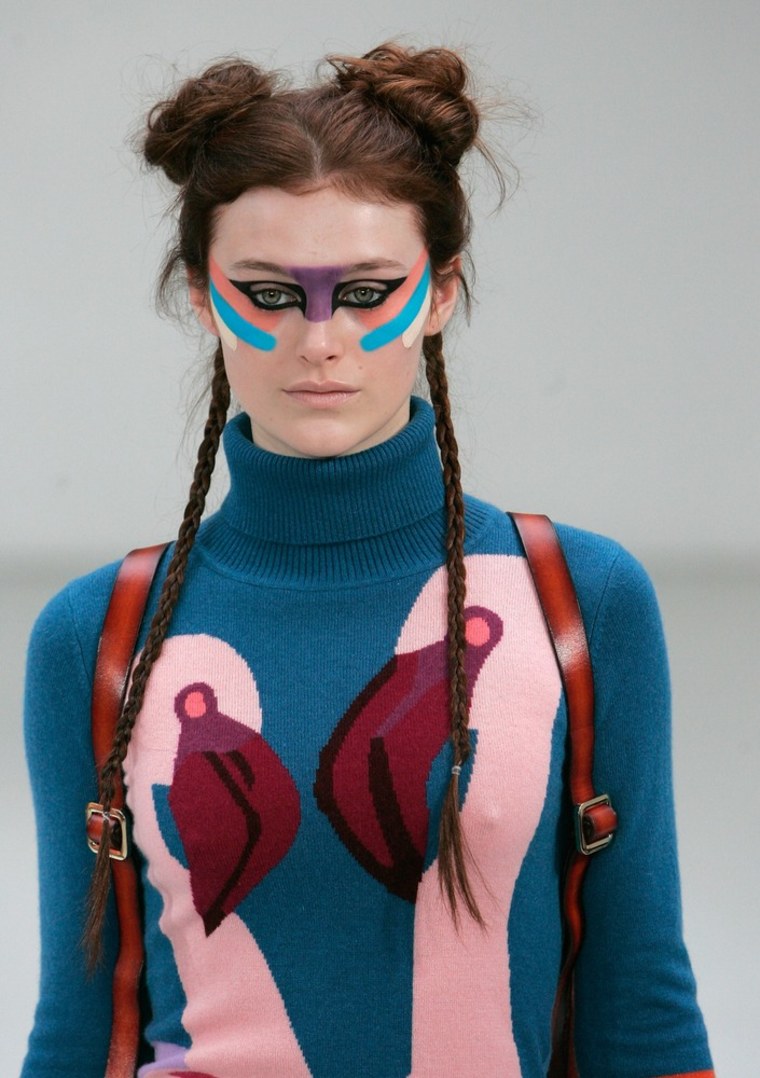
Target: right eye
<point x="271" y="298"/>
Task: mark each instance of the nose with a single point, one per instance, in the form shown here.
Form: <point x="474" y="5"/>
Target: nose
<point x="320" y="341"/>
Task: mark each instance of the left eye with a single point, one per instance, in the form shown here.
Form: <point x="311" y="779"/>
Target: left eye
<point x="362" y="295"/>
<point x="272" y="298"/>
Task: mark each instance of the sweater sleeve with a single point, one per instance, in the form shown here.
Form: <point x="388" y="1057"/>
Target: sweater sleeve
<point x="637" y="1014"/>
<point x="72" y="1021"/>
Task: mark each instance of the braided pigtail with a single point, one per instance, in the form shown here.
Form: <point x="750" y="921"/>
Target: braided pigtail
<point x="452" y="848"/>
<point x="393" y="126"/>
<point x="426" y="102"/>
<point x="111" y="772"/>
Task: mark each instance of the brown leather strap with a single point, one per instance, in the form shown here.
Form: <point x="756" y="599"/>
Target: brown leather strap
<point x="117" y="645"/>
<point x="595" y="824"/>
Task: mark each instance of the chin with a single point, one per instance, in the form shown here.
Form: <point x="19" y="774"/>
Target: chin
<point x="342" y="442"/>
<point x="332" y="446"/>
<point x="322" y="440"/>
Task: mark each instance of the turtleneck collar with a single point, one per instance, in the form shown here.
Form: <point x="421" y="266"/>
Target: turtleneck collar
<point x="376" y="511"/>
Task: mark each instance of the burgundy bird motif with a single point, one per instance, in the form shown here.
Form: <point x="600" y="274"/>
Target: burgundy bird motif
<point x="372" y="777"/>
<point x="191" y="1074"/>
<point x="234" y="803"/>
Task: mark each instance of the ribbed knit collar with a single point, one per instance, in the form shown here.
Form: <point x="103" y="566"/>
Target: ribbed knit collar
<point x="371" y="513"/>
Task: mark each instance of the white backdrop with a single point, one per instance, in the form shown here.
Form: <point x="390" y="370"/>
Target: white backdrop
<point x="610" y="374"/>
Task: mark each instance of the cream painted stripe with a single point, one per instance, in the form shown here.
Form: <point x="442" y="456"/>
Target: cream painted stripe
<point x="225" y="332"/>
<point x="409" y="335"/>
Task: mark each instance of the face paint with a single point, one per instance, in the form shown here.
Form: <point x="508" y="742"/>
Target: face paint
<point x="236" y="314"/>
<point x="404" y="315"/>
<point x="317" y="294"/>
<point x="319" y="284"/>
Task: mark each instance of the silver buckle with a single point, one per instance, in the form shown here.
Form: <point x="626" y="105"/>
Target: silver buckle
<point x="580" y="815"/>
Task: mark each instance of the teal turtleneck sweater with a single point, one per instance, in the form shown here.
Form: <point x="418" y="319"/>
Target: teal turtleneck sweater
<point x="286" y="776"/>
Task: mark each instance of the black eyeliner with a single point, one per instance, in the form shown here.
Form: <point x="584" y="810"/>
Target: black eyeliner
<point x="387" y="286"/>
<point x="246" y="288"/>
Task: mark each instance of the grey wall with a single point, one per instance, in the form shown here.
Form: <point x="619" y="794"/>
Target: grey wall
<point x="609" y="376"/>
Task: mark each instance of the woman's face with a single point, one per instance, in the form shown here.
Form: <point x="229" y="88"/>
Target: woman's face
<point x="321" y="303"/>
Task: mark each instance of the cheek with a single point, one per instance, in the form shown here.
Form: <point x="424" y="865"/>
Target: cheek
<point x="256" y="328"/>
<point x="237" y="318"/>
<point x="258" y="371"/>
<point x="391" y="370"/>
<point x="255" y="379"/>
<point x="402" y="316"/>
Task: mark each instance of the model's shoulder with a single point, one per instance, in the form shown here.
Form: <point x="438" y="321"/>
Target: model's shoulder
<point x="494" y="531"/>
<point x="591" y="552"/>
<point x="604" y="572"/>
<point x="590" y="555"/>
<point x="77" y="609"/>
<point x="62" y="650"/>
<point x="613" y="587"/>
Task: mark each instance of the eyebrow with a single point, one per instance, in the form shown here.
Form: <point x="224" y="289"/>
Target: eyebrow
<point x="357" y="267"/>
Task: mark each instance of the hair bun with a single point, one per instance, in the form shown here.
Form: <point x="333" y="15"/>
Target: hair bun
<point x="181" y="126"/>
<point x="425" y="89"/>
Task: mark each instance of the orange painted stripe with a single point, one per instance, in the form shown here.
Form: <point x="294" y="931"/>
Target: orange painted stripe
<point x="377" y="316"/>
<point x="689" y="1074"/>
<point x="240" y="303"/>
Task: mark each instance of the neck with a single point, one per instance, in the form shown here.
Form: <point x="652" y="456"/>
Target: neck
<point x="379" y="511"/>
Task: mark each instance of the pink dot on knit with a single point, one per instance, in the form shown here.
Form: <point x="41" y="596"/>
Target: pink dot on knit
<point x="195" y="705"/>
<point x="477" y="632"/>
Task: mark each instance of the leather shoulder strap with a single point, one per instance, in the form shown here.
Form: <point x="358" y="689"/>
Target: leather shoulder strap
<point x="117" y="645"/>
<point x="595" y="820"/>
<point x="118" y="639"/>
<point x="562" y="614"/>
<point x="559" y="603"/>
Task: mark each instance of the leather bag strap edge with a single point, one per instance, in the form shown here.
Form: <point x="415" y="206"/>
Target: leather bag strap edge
<point x="118" y="640"/>
<point x="559" y="603"/>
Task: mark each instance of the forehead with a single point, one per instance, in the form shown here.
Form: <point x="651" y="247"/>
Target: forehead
<point x="319" y="228"/>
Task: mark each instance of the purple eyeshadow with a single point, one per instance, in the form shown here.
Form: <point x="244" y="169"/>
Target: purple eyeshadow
<point x="318" y="282"/>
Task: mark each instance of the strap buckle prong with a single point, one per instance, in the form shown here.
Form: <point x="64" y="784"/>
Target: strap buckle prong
<point x="94" y="819"/>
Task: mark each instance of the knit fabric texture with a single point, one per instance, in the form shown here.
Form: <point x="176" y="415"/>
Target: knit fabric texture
<point x="286" y="777"/>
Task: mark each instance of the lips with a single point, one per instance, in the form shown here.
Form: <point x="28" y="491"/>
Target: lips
<point x="321" y="395"/>
<point x="321" y="387"/>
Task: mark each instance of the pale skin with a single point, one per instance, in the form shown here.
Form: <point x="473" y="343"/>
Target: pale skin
<point x="317" y="393"/>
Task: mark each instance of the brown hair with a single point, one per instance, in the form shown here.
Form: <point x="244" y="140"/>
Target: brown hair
<point x="393" y="126"/>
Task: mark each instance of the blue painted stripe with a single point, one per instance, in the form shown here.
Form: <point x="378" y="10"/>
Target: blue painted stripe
<point x="236" y="324"/>
<point x="388" y="332"/>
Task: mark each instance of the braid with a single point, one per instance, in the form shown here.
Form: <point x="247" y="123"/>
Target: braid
<point x="110" y="775"/>
<point x="452" y="849"/>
